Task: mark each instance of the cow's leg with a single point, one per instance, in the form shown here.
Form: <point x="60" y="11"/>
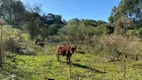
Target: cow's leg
<point x="57" y="54"/>
<point x="67" y="59"/>
<point x="58" y="58"/>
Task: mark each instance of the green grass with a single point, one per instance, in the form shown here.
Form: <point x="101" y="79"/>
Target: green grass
<point x="83" y="67"/>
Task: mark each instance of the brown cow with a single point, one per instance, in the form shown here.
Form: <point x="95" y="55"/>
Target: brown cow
<point x="65" y="51"/>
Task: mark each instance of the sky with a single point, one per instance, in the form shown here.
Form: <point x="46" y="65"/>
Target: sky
<point x="81" y="9"/>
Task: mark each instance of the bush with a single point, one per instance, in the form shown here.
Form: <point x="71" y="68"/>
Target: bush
<point x="55" y="39"/>
<point x="117" y="46"/>
<point x="10" y="38"/>
<point x="103" y="30"/>
<point x="25" y="36"/>
<point x="132" y="33"/>
<point x="140" y="32"/>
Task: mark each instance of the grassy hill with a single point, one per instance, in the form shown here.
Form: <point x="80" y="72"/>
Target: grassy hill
<point x="87" y="66"/>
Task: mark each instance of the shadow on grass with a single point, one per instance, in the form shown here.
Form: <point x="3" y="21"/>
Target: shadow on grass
<point x="87" y="67"/>
<point x="84" y="67"/>
<point x="80" y="52"/>
<point x="63" y="62"/>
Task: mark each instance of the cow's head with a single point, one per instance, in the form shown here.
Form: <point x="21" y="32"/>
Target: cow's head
<point x="73" y="48"/>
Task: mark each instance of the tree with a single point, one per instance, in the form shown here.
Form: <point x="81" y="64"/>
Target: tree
<point x="126" y="16"/>
<point x="111" y="18"/>
<point x="33" y="27"/>
<point x="52" y="19"/>
<point x="80" y="30"/>
<point x="12" y="12"/>
<point x="33" y="21"/>
<point x="35" y="8"/>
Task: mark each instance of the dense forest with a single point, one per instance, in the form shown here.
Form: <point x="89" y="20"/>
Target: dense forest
<point x="105" y="50"/>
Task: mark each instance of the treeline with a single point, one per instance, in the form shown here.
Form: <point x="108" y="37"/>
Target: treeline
<point x="125" y="19"/>
<point x="49" y="26"/>
<point x="28" y="18"/>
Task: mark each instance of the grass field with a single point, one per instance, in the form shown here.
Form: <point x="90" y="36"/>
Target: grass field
<point x="44" y="66"/>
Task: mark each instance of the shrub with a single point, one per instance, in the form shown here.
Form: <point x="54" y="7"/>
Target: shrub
<point x="132" y="33"/>
<point x="140" y="32"/>
<point x="10" y="38"/>
<point x="118" y="46"/>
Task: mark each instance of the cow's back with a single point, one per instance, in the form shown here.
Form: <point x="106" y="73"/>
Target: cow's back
<point x="63" y="50"/>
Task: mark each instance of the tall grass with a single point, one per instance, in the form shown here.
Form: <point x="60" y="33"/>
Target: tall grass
<point x="118" y="45"/>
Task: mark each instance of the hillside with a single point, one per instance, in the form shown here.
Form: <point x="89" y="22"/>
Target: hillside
<point x="86" y="66"/>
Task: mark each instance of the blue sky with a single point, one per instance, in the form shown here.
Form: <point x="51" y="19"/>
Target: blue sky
<point x="82" y="9"/>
